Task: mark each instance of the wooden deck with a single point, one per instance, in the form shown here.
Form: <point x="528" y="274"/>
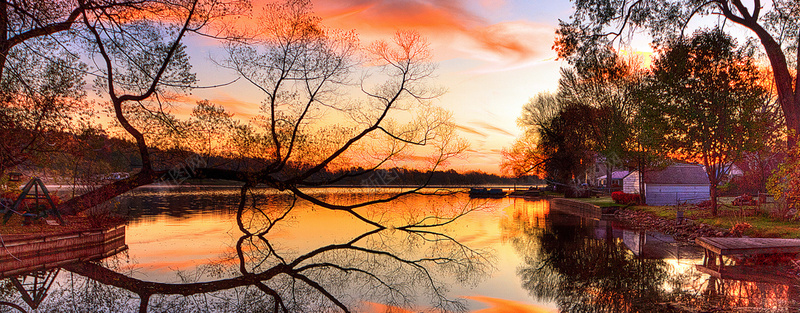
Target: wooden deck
<point x="53" y="251"/>
<point x="735" y="246"/>
<point x="716" y="248"/>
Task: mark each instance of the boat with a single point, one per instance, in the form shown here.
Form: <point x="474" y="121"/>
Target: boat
<point x="486" y="193"/>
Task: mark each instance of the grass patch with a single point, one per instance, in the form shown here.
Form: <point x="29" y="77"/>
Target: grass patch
<point x="660" y="211"/>
<point x="603" y="201"/>
<point x="761" y="226"/>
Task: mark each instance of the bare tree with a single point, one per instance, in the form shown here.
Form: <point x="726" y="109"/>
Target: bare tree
<point x="308" y="128"/>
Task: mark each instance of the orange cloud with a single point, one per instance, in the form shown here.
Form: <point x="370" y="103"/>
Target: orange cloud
<point x="470" y="130"/>
<point x="378" y="308"/>
<point x="445" y="21"/>
<point x="243" y="110"/>
<point x="388" y="15"/>
<point x="515" y="41"/>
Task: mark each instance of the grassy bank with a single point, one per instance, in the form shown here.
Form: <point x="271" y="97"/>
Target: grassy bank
<point x="764" y="220"/>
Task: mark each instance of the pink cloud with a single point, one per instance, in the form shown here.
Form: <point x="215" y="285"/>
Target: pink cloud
<point x="515" y="41"/>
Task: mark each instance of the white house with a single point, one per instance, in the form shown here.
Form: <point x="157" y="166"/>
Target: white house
<point x="727" y="172"/>
<point x="676" y="184"/>
<point x="616" y="178"/>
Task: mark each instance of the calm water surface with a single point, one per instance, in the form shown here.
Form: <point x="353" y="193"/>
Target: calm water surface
<point x="189" y="250"/>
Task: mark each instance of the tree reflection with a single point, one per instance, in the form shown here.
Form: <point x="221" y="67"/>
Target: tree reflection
<point x="402" y="262"/>
<point x="566" y="264"/>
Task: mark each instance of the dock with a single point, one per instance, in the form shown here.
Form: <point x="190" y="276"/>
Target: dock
<point x="40" y="253"/>
<point x="716" y="248"/>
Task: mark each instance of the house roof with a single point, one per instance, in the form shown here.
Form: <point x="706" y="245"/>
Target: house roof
<point x="616" y="175"/>
<point x="678" y="174"/>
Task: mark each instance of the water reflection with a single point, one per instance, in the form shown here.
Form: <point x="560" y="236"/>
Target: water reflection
<point x="256" y="251"/>
<point x="405" y="264"/>
<point x="585" y="264"/>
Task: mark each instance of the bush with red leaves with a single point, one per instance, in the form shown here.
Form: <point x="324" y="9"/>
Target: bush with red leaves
<point x="624" y="198"/>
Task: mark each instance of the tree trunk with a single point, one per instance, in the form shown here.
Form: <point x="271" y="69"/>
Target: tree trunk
<point x="110" y="191"/>
<point x="785" y="84"/>
<point x="105" y="193"/>
<point x="713" y="191"/>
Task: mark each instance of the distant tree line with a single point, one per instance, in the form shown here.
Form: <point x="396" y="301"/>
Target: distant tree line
<point x="90" y="156"/>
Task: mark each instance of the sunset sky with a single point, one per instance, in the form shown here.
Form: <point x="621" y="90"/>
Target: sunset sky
<point x="493" y="56"/>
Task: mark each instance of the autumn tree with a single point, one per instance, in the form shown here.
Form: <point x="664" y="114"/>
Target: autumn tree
<point x="41" y="100"/>
<point x="599" y="24"/>
<point x="704" y="88"/>
<point x="588" y="120"/>
<point x="327" y="103"/>
<point x="555" y="140"/>
<point x="608" y="89"/>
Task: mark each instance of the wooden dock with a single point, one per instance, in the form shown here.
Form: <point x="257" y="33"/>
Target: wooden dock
<point x="716" y="248"/>
<point x="734" y="246"/>
<point x="52" y="251"/>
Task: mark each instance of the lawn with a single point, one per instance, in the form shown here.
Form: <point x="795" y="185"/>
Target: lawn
<point x="603" y="201"/>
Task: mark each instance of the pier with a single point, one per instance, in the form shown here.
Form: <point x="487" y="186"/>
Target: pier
<point x="39" y="253"/>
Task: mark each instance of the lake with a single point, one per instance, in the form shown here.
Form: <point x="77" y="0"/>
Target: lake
<point x="202" y="249"/>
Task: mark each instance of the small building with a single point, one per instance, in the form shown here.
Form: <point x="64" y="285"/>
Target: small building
<point x="674" y="185"/>
<point x="728" y="171"/>
<point x="616" y="178"/>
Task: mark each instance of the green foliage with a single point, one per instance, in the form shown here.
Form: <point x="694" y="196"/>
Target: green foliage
<point x="598" y="25"/>
<point x="703" y="89"/>
<point x="592" y="117"/>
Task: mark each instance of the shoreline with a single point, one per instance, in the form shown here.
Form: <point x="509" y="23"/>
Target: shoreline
<point x="685" y="231"/>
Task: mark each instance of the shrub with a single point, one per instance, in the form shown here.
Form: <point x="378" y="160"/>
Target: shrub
<point x="624" y="198"/>
<point x="704" y="204"/>
<point x="617" y="196"/>
<point x="744" y="199"/>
